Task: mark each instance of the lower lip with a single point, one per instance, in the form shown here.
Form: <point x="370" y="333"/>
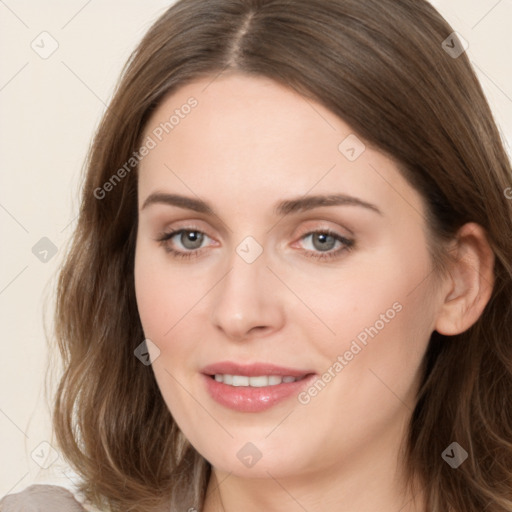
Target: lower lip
<point x="251" y="399"/>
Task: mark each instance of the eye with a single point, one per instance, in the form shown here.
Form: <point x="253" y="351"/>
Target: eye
<point x="187" y="243"/>
<point x="189" y="239"/>
<point x="323" y="242"/>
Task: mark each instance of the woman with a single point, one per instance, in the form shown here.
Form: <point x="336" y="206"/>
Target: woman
<point x="290" y="284"/>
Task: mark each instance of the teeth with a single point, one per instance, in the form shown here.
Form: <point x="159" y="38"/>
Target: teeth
<point x="240" y="380"/>
<point x="273" y="380"/>
<point x="258" y="382"/>
<point x="255" y="382"/>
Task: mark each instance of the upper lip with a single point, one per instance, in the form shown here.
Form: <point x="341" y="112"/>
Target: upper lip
<point x="252" y="370"/>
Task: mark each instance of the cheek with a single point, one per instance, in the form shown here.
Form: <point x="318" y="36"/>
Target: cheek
<point x="162" y="300"/>
<point x="360" y="296"/>
<point x="151" y="296"/>
<point x="163" y="295"/>
<point x="379" y="314"/>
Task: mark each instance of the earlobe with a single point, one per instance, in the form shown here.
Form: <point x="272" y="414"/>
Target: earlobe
<point x="470" y="282"/>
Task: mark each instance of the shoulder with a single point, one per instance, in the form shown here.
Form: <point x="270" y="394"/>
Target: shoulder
<point x="41" y="498"/>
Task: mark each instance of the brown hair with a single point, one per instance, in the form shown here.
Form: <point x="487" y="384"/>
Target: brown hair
<point x="380" y="66"/>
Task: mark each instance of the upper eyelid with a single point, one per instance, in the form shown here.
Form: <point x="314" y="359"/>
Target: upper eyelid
<point x="190" y="225"/>
<point x="347" y="240"/>
<point x="171" y="233"/>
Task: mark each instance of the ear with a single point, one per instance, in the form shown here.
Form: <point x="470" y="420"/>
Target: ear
<point x="470" y="283"/>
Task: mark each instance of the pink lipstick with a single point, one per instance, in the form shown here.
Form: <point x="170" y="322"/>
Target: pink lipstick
<point x="255" y="387"/>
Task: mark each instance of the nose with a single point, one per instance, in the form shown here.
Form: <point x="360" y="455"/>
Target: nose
<point x="247" y="302"/>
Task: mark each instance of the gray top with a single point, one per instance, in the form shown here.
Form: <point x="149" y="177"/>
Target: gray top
<point x="41" y="498"/>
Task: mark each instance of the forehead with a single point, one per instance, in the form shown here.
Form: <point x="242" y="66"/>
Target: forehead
<point x="255" y="111"/>
<point x="239" y="135"/>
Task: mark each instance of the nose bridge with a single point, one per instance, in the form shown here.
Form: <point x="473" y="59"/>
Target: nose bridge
<point x="245" y="299"/>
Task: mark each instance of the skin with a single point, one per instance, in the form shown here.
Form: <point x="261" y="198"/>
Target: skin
<point x="249" y="144"/>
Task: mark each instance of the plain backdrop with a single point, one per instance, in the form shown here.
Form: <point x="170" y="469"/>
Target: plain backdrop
<point x="50" y="107"/>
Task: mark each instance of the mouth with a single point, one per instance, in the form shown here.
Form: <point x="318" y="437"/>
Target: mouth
<point x="253" y="388"/>
<point x="260" y="381"/>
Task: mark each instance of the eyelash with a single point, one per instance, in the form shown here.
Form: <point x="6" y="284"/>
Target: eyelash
<point x="348" y="245"/>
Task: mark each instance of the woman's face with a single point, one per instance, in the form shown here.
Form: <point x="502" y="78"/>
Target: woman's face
<point x="269" y="281"/>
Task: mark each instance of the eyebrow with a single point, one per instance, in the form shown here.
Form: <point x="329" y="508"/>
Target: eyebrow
<point x="282" y="208"/>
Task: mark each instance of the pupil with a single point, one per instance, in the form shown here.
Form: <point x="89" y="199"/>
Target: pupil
<point x="323" y="238"/>
<point x="191" y="239"/>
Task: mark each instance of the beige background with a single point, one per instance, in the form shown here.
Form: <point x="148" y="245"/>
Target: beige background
<point x="50" y="108"/>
